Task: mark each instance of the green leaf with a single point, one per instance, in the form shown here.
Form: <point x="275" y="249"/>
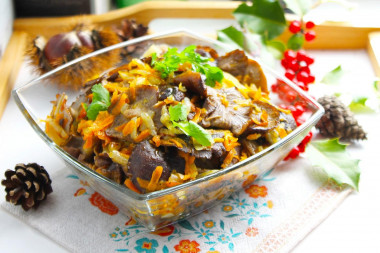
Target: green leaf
<point x="100" y="101"/>
<point x="187" y="225"/>
<point x="276" y="47"/>
<point x="331" y="156"/>
<point x="263" y="17"/>
<point x="358" y="105"/>
<point x="376" y="85"/>
<point x="212" y="74"/>
<point x="334" y="76"/>
<point x="178" y="112"/>
<point x="299" y="7"/>
<point x="194" y="130"/>
<point x="232" y="36"/>
<point x="178" y="116"/>
<point x="172" y="59"/>
<point x="296" y="41"/>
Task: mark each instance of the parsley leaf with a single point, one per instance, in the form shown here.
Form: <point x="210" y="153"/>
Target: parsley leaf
<point x="178" y="116"/>
<point x="194" y="130"/>
<point x="100" y="101"/>
<point x="178" y="112"/>
<point x="172" y="59"/>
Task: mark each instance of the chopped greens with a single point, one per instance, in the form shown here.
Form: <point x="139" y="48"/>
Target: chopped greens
<point x="100" y="101"/>
<point x="178" y="116"/>
<point x="178" y="112"/>
<point x="172" y="59"/>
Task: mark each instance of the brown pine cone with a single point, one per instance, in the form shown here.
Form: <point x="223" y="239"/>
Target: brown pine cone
<point x="338" y="121"/>
<point x="27" y="185"/>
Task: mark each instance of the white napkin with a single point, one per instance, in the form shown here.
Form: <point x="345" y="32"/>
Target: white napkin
<point x="273" y="215"/>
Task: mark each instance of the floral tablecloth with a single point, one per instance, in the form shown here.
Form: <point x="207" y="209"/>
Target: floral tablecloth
<point x="271" y="215"/>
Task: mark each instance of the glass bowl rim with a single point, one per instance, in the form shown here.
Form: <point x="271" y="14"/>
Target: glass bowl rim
<point x="152" y="195"/>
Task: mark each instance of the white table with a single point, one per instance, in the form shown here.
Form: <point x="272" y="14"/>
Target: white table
<point x="353" y="227"/>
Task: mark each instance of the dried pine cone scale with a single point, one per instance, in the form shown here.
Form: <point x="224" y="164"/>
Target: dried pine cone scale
<point x="27" y="185"/>
<point x="339" y="121"/>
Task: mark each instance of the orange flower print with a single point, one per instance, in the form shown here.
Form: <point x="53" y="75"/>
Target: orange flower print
<point x="252" y="232"/>
<point x="208" y="224"/>
<point x="185" y="246"/>
<point x="130" y="222"/>
<point x="227" y="208"/>
<point x="250" y="179"/>
<point x="165" y="231"/>
<point x="103" y="204"/>
<point x="84" y="183"/>
<point x="80" y="191"/>
<point x="256" y="191"/>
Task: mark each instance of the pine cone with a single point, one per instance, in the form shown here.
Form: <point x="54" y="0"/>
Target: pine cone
<point x="339" y="121"/>
<point x="27" y="185"/>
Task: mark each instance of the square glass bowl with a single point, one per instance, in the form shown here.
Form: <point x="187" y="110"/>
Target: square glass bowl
<point x="161" y="208"/>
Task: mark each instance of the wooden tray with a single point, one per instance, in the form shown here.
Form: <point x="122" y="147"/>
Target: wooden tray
<point x="329" y="35"/>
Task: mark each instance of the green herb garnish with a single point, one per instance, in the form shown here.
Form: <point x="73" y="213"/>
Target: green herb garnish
<point x="172" y="59"/>
<point x="178" y="116"/>
<point x="100" y="101"/>
<point x="331" y="156"/>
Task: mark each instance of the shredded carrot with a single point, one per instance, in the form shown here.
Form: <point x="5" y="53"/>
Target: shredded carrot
<point x="88" y="143"/>
<point x="170" y="100"/>
<point x="91" y="129"/>
<point x="90" y="96"/>
<point x="159" y="104"/>
<point x="157" y="141"/>
<point x="264" y="116"/>
<point x="138" y="122"/>
<point x="115" y="87"/>
<point x="190" y="169"/>
<point x="128" y="183"/>
<point x="129" y="127"/>
<point x="155" y="178"/>
<point x="121" y="127"/>
<point x="123" y="99"/>
<point x="179" y="145"/>
<point x="82" y="112"/>
<point x="282" y="132"/>
<point x="171" y="184"/>
<point x="228" y="160"/>
<point x="127" y="151"/>
<point x="103" y="120"/>
<point x="253" y="137"/>
<point x="230" y="142"/>
<point x="224" y="101"/>
<point x="143" y="135"/>
<point x="219" y="140"/>
<point x="114" y="97"/>
<point x="142" y="182"/>
<point x="197" y="115"/>
<point x="243" y="156"/>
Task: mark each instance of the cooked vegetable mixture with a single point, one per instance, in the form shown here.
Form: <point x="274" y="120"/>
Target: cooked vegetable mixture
<point x="170" y="117"/>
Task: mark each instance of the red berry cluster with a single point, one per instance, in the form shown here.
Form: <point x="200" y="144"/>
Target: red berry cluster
<point x="297" y="69"/>
<point x="296" y="27"/>
<point x="300" y="148"/>
<point x="298" y="111"/>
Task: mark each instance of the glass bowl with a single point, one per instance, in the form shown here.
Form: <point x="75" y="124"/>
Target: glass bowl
<point x="161" y="208"/>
